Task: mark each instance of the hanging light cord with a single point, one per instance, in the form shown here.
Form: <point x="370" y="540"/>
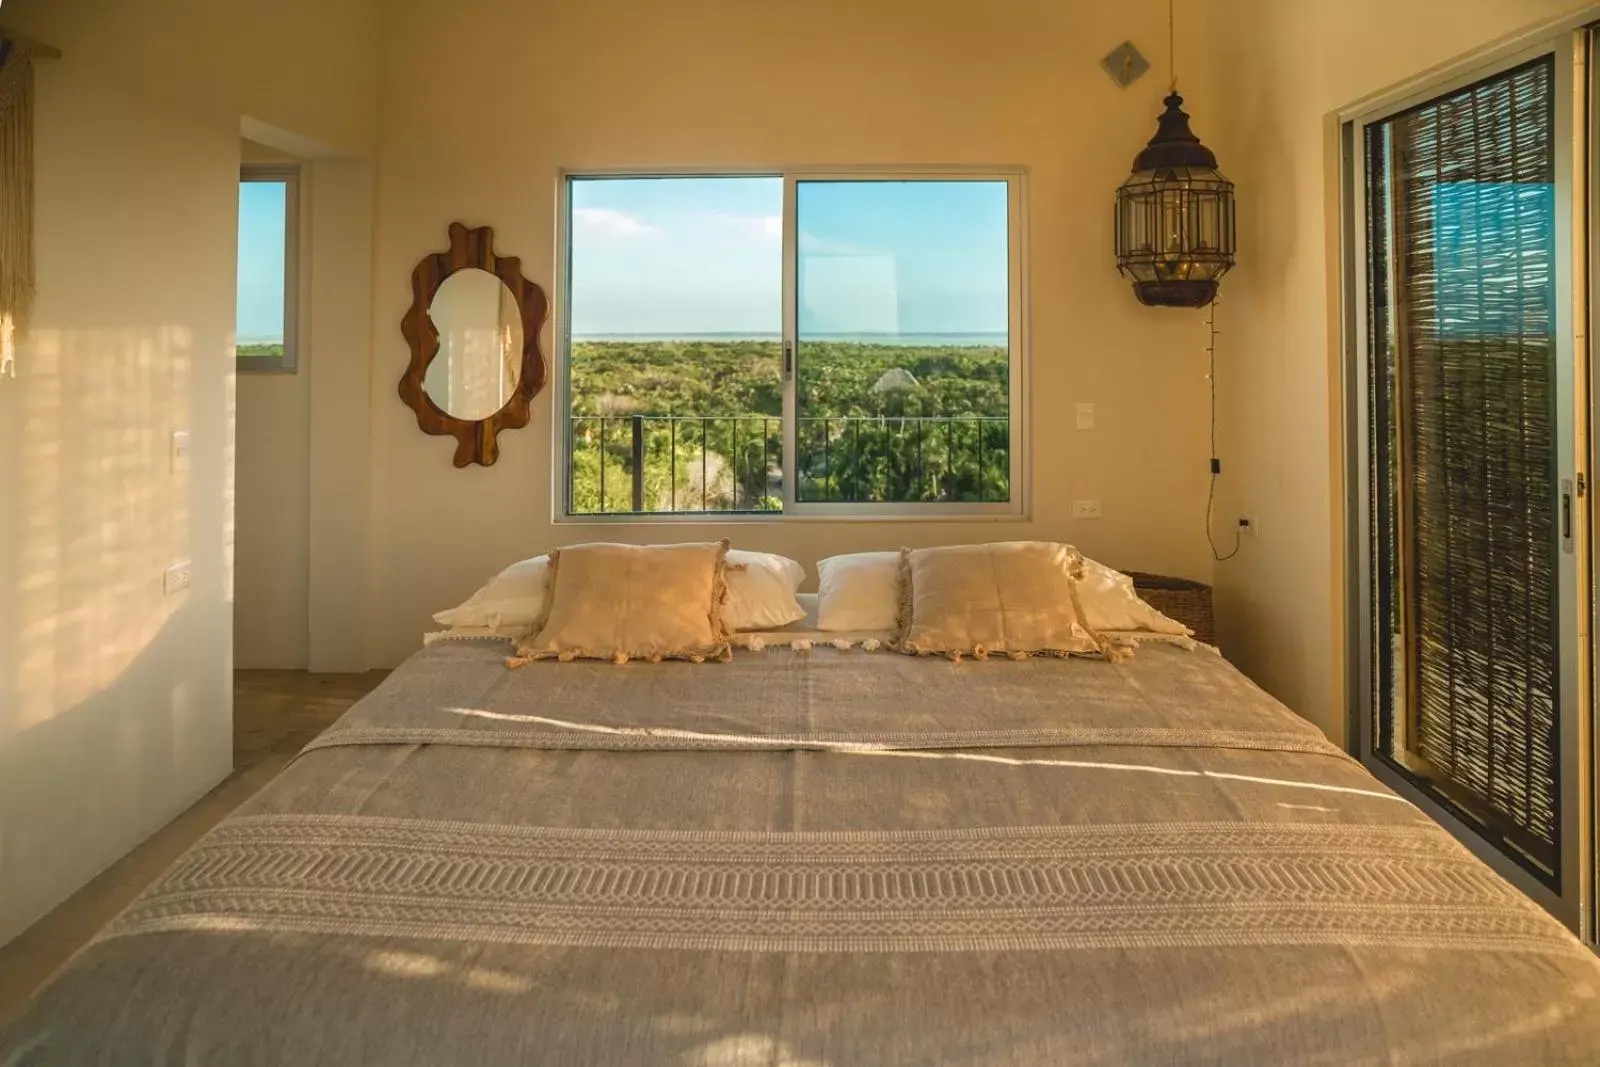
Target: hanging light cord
<point x="1172" y="47"/>
<point x="1216" y="464"/>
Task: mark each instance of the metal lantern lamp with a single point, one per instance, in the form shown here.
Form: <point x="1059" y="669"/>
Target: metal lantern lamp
<point x="1174" y="224"/>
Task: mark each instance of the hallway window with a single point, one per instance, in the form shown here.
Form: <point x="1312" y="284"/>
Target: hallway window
<point x="264" y="334"/>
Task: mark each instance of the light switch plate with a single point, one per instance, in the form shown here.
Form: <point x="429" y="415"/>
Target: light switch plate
<point x="177" y="578"/>
<point x="1086" y="509"/>
<point x="1085" y="416"/>
<point x="180" y="451"/>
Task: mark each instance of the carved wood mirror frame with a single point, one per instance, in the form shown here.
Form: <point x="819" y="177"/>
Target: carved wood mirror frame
<point x="475" y="439"/>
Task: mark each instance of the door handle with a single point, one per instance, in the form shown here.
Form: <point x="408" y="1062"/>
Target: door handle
<point x="1566" y="515"/>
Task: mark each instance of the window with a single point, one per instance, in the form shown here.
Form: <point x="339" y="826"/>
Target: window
<point x="799" y="344"/>
<point x="265" y="331"/>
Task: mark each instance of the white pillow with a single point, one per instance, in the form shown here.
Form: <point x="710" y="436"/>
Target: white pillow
<point x="860" y="591"/>
<point x="1110" y="602"/>
<point x="511" y="603"/>
<point x="761" y="589"/>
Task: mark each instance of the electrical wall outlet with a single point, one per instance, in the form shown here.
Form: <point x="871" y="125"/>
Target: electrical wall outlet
<point x="1249" y="526"/>
<point x="1085" y="416"/>
<point x="1086" y="509"/>
<point x="180" y="451"/>
<point x="177" y="578"/>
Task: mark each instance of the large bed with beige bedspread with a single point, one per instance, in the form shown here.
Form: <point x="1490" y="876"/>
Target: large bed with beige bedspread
<point x="823" y="857"/>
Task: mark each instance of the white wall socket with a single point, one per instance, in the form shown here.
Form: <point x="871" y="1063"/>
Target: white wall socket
<point x="177" y="578"/>
<point x="1085" y="416"/>
<point x="180" y="451"/>
<point x="1086" y="509"/>
<point x="1249" y="526"/>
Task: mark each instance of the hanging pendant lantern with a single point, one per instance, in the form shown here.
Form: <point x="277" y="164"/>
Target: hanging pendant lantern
<point x="1174" y="219"/>
<point x="1175" y="235"/>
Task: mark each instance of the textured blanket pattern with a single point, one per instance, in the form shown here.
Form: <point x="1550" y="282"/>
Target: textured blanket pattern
<point x="1029" y="888"/>
<point x="823" y="858"/>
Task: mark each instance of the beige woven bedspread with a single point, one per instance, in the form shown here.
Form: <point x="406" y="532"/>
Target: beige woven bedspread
<point x="823" y="857"/>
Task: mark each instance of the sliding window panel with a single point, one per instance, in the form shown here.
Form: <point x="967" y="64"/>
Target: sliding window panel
<point x="905" y="341"/>
<point x="672" y="349"/>
<point x="1465" y="280"/>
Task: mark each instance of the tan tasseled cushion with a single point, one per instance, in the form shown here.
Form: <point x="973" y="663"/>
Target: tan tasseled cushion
<point x="1014" y="598"/>
<point x="622" y="602"/>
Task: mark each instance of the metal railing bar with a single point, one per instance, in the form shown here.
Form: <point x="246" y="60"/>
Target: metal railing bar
<point x="878" y="465"/>
<point x="981" y="483"/>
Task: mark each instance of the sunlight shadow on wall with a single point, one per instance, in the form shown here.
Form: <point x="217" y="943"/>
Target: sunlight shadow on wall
<point x="98" y="516"/>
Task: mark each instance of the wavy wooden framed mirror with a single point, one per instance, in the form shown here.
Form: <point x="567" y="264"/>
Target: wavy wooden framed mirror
<point x="473" y="327"/>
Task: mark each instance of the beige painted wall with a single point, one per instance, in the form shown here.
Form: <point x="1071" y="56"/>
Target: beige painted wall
<point x="728" y="82"/>
<point x="339" y="352"/>
<point x="115" y="701"/>
<point x="1291" y="66"/>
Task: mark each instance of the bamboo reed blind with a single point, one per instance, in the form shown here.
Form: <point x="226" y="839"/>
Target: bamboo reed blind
<point x="1462" y="248"/>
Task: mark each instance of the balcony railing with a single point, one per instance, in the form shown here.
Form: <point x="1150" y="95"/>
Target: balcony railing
<point x="729" y="464"/>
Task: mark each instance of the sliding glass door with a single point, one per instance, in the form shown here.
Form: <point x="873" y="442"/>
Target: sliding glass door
<point x="1469" y="425"/>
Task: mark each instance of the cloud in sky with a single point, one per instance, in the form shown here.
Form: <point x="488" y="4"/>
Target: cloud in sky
<point x="609" y="222"/>
<point x="761" y="229"/>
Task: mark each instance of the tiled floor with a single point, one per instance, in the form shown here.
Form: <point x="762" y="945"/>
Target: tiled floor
<point x="274" y="714"/>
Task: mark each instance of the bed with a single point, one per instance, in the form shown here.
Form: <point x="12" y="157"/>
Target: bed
<point x="820" y="856"/>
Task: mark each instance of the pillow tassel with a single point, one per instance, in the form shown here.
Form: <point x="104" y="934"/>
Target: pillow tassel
<point x="1111" y="650"/>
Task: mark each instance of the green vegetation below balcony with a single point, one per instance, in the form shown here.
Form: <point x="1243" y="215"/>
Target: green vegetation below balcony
<point x="877" y="422"/>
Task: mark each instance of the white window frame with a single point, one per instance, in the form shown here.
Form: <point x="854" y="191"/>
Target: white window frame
<point x="1019" y="341"/>
<point x="289" y="175"/>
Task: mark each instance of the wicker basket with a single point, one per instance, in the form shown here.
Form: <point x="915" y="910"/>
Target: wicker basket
<point x="1180" y="598"/>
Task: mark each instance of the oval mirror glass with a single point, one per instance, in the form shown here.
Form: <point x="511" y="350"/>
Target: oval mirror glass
<point x="480" y="345"/>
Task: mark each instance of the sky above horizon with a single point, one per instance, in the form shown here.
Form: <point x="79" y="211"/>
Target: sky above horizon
<point x="676" y="256"/>
<point x="261" y="251"/>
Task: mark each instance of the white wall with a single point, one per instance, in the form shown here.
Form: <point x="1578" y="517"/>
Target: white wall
<point x="115" y="702"/>
<point x="728" y="82"/>
<point x="340" y="427"/>
<point x="1290" y="67"/>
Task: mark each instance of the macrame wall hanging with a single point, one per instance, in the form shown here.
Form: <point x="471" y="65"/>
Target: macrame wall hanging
<point x="16" y="197"/>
